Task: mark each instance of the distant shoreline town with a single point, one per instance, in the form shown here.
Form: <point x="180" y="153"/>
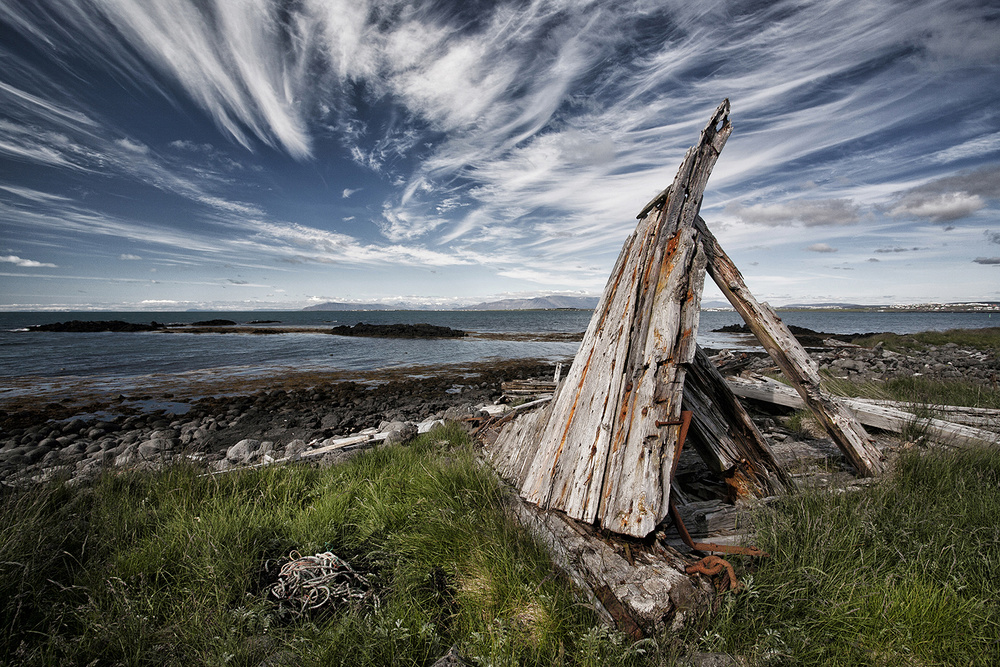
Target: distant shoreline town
<point x="968" y="307"/>
<point x="589" y="303"/>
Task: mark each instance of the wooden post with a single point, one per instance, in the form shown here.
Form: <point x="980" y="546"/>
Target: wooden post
<point x="800" y="369"/>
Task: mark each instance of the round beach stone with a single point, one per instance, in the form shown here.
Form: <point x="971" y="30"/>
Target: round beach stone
<point x="74" y="426"/>
<point x="126" y="456"/>
<point x="245" y="451"/>
<point x="36" y="454"/>
<point x="294" y="449"/>
<point x="153" y="448"/>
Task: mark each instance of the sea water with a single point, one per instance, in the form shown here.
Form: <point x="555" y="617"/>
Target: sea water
<point x="111" y="357"/>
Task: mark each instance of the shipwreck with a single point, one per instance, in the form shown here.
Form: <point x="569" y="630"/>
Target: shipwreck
<point x="594" y="466"/>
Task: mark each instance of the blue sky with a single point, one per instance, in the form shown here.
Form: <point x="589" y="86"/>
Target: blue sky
<point x="173" y="154"/>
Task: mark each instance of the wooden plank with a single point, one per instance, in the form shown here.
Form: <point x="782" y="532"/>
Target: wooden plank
<point x="725" y="436"/>
<point x="635" y="586"/>
<point x="636" y="494"/>
<point x="986" y="418"/>
<point x="800" y="369"/>
<point x="567" y="470"/>
<point x="878" y="416"/>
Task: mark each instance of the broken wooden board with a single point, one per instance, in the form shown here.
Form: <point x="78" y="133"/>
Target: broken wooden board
<point x="877" y="416"/>
<point x="800" y="369"/>
<point x="725" y="436"/>
<point x="604" y="450"/>
<point x="642" y="588"/>
<point x="527" y="387"/>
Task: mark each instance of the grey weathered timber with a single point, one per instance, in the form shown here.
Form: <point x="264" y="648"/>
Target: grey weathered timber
<point x="725" y="436"/>
<point x="800" y="369"/>
<point x="641" y="588"/>
<point x="603" y="451"/>
<point x="879" y="416"/>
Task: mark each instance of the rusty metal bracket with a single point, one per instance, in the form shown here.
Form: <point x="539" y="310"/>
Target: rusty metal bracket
<point x="685" y="422"/>
<point x="713" y="565"/>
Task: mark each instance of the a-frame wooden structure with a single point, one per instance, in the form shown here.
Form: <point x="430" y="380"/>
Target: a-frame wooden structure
<point x="603" y="450"/>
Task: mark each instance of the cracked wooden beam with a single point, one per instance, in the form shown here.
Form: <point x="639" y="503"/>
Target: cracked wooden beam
<point x="800" y="369"/>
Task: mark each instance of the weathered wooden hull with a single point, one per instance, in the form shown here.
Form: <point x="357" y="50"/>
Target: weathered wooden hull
<point x="604" y="449"/>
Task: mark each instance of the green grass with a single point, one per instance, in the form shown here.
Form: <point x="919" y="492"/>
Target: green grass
<point x="901" y="573"/>
<point x="167" y="568"/>
<point x="980" y="339"/>
<point x="917" y="390"/>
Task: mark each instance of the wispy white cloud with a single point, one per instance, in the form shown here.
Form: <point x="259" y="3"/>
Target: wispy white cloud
<point x="821" y="247"/>
<point x="132" y="146"/>
<point x="973" y="148"/>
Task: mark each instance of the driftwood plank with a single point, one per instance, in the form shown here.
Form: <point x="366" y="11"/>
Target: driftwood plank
<point x="569" y="454"/>
<point x="636" y="494"/>
<point x="878" y="416"/>
<point x="800" y="369"/>
<point x="725" y="436"/>
<point x="642" y="591"/>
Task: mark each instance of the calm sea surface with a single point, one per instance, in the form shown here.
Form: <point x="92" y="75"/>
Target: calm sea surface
<point x="29" y="357"/>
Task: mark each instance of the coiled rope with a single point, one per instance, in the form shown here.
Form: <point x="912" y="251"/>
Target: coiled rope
<point x="309" y="582"/>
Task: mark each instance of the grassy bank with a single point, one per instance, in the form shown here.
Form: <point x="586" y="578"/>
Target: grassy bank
<point x="901" y="573"/>
<point x="979" y="339"/>
<point x="169" y="568"/>
<point x="172" y="568"/>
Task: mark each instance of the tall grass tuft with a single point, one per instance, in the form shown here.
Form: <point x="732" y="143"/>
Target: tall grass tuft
<point x="900" y="573"/>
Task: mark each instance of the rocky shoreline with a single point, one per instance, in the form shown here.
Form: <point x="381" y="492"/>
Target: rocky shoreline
<point x="285" y="416"/>
<point x="41" y="442"/>
<point x="844" y="359"/>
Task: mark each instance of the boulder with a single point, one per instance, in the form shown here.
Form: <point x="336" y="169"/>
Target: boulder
<point x="248" y="450"/>
<point x="126" y="456"/>
<point x="399" y="432"/>
<point x="294" y="449"/>
<point x="154" y="448"/>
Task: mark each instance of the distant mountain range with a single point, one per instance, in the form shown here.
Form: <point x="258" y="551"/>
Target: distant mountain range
<point x="539" y="303"/>
<point x="336" y="305"/>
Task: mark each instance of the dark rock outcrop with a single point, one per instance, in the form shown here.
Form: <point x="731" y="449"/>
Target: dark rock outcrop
<point x="397" y="331"/>
<point x="78" y="326"/>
